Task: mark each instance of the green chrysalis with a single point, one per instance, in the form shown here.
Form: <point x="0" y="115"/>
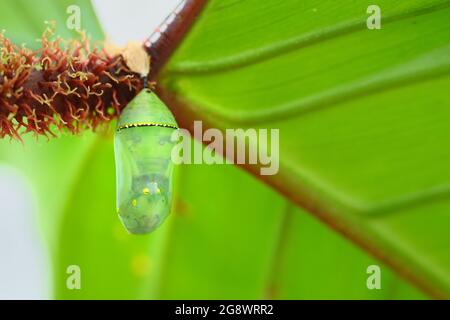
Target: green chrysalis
<point x="142" y="147"/>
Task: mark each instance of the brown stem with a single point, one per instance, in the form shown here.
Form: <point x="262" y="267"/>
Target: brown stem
<point x="163" y="42"/>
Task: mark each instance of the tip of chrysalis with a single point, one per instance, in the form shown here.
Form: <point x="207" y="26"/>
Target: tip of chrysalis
<point x="141" y="230"/>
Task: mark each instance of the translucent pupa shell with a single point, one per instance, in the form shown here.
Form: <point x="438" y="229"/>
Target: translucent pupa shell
<point x="142" y="147"/>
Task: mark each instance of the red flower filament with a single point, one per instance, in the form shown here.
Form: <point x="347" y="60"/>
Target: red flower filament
<point x="62" y="85"/>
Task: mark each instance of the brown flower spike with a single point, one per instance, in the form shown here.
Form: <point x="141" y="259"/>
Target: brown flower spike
<point x="61" y="85"/>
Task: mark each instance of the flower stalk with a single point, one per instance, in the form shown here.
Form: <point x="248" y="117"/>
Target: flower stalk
<point x="63" y="85"/>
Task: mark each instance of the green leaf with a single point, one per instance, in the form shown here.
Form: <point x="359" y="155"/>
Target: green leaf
<point x="24" y="20"/>
<point x="229" y="236"/>
<point x="362" y="113"/>
<point x="73" y="182"/>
